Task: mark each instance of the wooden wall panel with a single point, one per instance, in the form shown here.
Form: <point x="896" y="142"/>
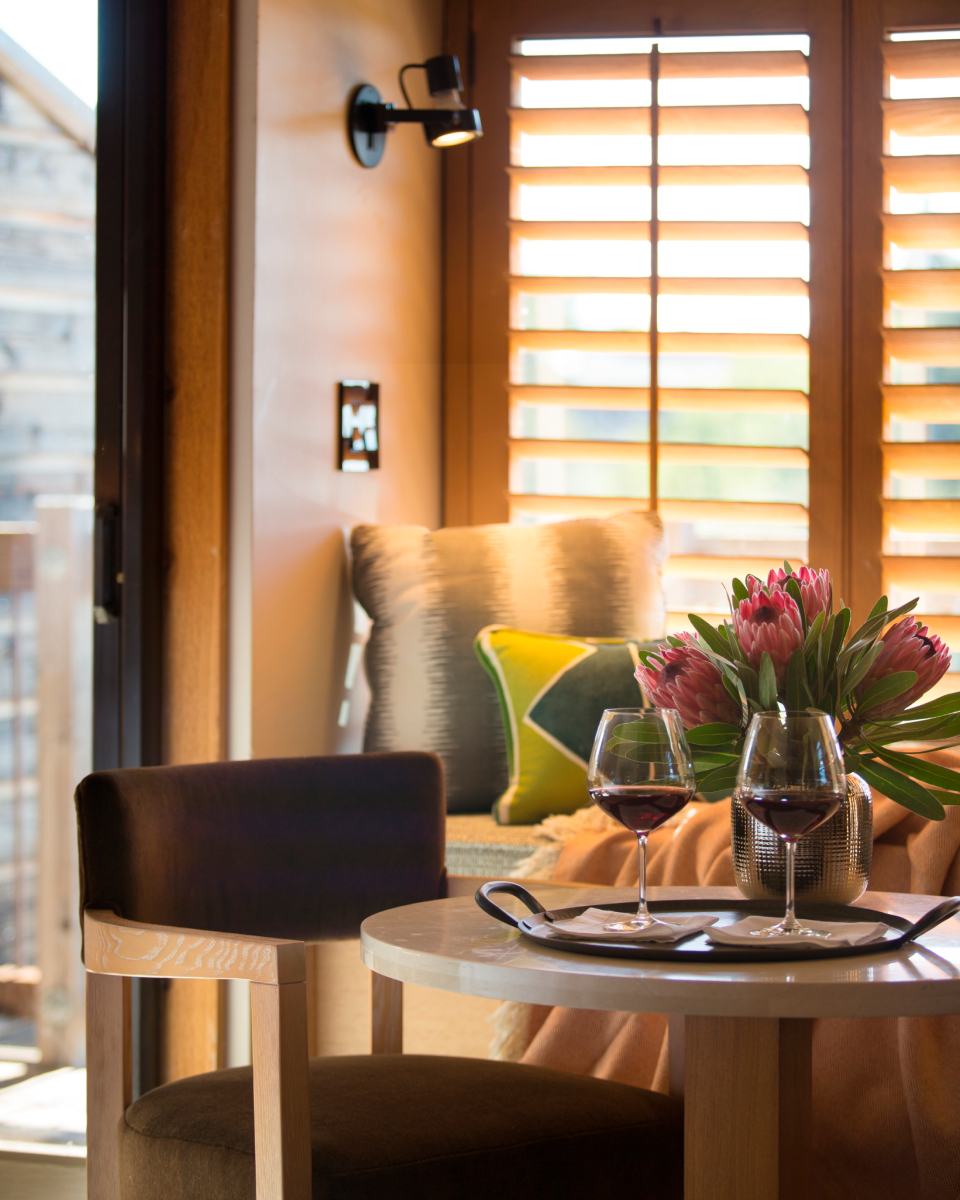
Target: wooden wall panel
<point x="197" y="439"/>
<point x="196" y="451"/>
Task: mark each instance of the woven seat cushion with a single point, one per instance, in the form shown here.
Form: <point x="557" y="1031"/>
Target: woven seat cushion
<point x="413" y="1126"/>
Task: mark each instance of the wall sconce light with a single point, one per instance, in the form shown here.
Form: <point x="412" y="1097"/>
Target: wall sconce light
<point x="451" y="123"/>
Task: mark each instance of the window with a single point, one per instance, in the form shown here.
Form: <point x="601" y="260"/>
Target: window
<point x="659" y="310"/>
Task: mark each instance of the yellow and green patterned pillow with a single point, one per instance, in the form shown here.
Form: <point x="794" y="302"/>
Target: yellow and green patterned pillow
<point x="552" y="692"/>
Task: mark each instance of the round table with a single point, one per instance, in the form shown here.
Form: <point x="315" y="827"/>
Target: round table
<point x="740" y="1034"/>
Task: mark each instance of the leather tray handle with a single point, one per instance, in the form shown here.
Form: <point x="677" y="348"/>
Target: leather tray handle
<point x="486" y="890"/>
<point x="930" y="920"/>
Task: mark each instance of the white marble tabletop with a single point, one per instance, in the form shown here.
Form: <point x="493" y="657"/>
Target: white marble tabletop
<point x="454" y="946"/>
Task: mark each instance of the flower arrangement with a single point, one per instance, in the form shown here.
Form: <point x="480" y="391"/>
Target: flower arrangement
<point x="784" y="645"/>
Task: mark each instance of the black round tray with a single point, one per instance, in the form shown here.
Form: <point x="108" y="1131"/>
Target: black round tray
<point x="698" y="949"/>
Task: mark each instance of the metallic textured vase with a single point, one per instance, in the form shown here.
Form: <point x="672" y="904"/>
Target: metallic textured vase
<point x="833" y="862"/>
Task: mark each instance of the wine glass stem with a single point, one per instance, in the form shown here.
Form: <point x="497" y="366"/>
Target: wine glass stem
<point x="790" y="918"/>
<point x="642" y="910"/>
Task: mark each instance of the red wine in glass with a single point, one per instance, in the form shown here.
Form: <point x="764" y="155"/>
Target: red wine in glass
<point x="791" y="812"/>
<point x="638" y="807"/>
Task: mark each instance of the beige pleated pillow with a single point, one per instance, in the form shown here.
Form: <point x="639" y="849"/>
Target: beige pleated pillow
<point x="430" y="593"/>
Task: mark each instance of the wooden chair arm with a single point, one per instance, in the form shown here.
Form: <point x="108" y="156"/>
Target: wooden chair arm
<point x="115" y="946"/>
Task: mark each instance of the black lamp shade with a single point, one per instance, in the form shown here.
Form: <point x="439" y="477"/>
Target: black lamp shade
<point x="443" y="74"/>
<point x="453" y="127"/>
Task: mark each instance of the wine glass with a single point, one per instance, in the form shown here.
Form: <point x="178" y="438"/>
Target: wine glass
<point x="791" y="780"/>
<point x="641" y="773"/>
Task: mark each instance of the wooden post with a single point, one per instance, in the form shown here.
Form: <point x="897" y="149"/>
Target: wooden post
<point x="108" y="1080"/>
<point x="386" y="1015"/>
<point x="64" y="600"/>
<point x="746" y="1108"/>
<point x="281" y="1095"/>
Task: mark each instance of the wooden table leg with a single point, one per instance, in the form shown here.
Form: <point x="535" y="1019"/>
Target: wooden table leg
<point x="746" y="1108"/>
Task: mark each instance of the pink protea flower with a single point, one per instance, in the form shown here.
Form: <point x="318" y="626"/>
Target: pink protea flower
<point x="816" y="589"/>
<point x="689" y="682"/>
<point x="907" y="646"/>
<point x="769" y="621"/>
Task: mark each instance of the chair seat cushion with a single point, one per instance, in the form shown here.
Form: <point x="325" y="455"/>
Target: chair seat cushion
<point x="399" y="1126"/>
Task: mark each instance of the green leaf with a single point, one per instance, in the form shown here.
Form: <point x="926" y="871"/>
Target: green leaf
<point x="839" y="633"/>
<point x="675" y="642"/>
<point x="750" y="680"/>
<point x="945" y="797"/>
<point x="856" y="672"/>
<point x="787" y="567"/>
<point x="878" y="608"/>
<point x="814" y="632"/>
<point x="650" y="658"/>
<point x="935" y="730"/>
<point x="872" y="626"/>
<point x="714" y="734"/>
<point x="740" y="591"/>
<point x="709" y="635"/>
<point x="734" y="688"/>
<point x="768" y="683"/>
<point x="886" y="689"/>
<point x="792" y="588"/>
<point x="718" y="778"/>
<point x="934" y="708"/>
<point x="797" y="693"/>
<point x="902" y="789"/>
<point x="919" y="768"/>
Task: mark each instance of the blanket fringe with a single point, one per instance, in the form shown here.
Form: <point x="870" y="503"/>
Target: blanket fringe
<point x="511" y="1021"/>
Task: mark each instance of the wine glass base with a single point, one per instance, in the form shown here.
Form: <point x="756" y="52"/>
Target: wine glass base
<point x="783" y="930"/>
<point x="631" y="925"/>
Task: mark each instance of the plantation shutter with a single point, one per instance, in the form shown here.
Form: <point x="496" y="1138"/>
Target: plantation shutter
<point x="658" y="306"/>
<point x="921" y="326"/>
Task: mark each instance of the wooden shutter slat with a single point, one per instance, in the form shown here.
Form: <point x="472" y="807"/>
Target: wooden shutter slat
<point x="670" y="510"/>
<point x="922" y="60"/>
<point x="580" y="339"/>
<point x="730" y="65"/>
<point x="923" y="516"/>
<point x="936" y="117"/>
<point x="702" y="566"/>
<point x="733" y="64"/>
<point x="581" y="285"/>
<point x="937" y="347"/>
<point x="581" y="176"/>
<point x="727" y="175"/>
<point x="922" y="172"/>
<point x="582" y="231"/>
<point x="933" y="402"/>
<point x="923" y="289"/>
<point x="734" y="119"/>
<point x="670" y="343"/>
<point x="923" y="231"/>
<point x="580" y="66"/>
<point x="928" y="460"/>
<point x="924" y="573"/>
<point x="687" y="120"/>
<point x="567" y="122"/>
<point x="671" y="399"/>
<point x="670" y="452"/>
<point x="670" y="231"/>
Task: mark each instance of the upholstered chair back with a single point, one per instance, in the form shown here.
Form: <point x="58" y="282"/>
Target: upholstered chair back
<point x="301" y="848"/>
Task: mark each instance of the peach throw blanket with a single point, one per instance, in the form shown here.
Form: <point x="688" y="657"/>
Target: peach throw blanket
<point x="886" y="1091"/>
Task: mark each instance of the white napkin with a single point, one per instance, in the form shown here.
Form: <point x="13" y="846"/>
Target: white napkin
<point x="591" y="924"/>
<point x="853" y="934"/>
